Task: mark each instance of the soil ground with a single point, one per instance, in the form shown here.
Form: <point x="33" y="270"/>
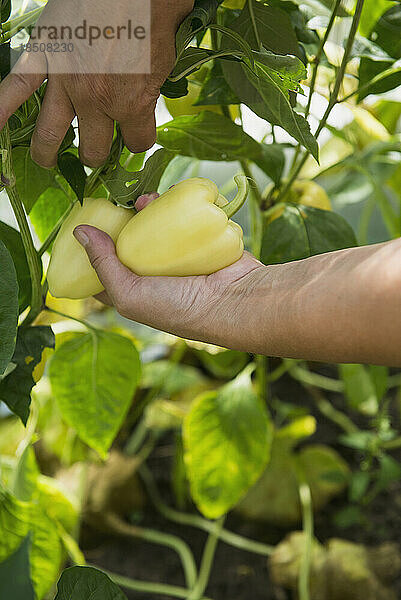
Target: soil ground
<point x="236" y="574"/>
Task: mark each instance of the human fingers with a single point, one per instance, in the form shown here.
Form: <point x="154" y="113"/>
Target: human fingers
<point x="117" y="279"/>
<point x="104" y="298"/>
<point x="145" y="199"/>
<point x="138" y="127"/>
<point x="52" y="125"/>
<point x="96" y="131"/>
<point x="19" y="85"/>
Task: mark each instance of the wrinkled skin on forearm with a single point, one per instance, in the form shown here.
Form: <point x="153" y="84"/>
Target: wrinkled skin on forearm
<point x="338" y="307"/>
<point x="98" y="100"/>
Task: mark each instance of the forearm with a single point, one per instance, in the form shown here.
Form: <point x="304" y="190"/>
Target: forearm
<point x="339" y="307"/>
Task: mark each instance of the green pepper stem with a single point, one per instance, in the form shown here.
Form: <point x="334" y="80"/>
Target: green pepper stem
<point x="242" y="194"/>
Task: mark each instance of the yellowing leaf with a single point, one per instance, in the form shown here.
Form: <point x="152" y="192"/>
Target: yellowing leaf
<point x="227" y="437"/>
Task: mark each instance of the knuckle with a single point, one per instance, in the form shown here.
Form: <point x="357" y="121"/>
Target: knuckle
<point x="99" y="91"/>
<point x="47" y="135"/>
<point x="21" y="82"/>
<point x="99" y="261"/>
<point x="94" y="157"/>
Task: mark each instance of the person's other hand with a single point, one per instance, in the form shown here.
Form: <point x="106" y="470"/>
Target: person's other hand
<point x="207" y="308"/>
<point x="98" y="99"/>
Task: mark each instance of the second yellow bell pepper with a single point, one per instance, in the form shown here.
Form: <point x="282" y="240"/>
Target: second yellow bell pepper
<point x="186" y="231"/>
<point x="70" y="274"/>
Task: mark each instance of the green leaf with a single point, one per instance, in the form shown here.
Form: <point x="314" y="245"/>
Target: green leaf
<point x="389" y="472"/>
<point x="275" y="497"/>
<point x="175" y="172"/>
<point x="5" y="10"/>
<point x="285" y="72"/>
<point x="210" y="136"/>
<point x="17" y="520"/>
<point x="387" y="35"/>
<point x="202" y="14"/>
<point x="215" y="89"/>
<point x="372" y="11"/>
<point x="225" y="364"/>
<point x="276" y="108"/>
<point x="207" y="136"/>
<point x="265" y="26"/>
<point x="93" y="378"/>
<point x="227" y="437"/>
<point x="12" y="239"/>
<point x="379" y="376"/>
<point x="32" y="180"/>
<point x="49" y="208"/>
<point x="26" y="475"/>
<point x="84" y="583"/>
<point x="15" y="576"/>
<point x="73" y="172"/>
<point x="169" y="378"/>
<point x="364" y="48"/>
<point x="271" y="161"/>
<point x="175" y="89"/>
<point x="22" y="123"/>
<point x="358" y="485"/>
<point x="303" y="231"/>
<point x="265" y="90"/>
<point x="56" y="505"/>
<point x="360" y="391"/>
<point x="126" y="186"/>
<point x="8" y="307"/>
<point x="15" y="389"/>
<point x="360" y="440"/>
<point x="189" y="58"/>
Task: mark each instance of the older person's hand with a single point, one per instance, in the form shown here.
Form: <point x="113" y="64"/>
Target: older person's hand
<point x="99" y="98"/>
<point x="338" y="307"/>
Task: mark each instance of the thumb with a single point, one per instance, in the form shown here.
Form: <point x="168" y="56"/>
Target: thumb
<point x="101" y="252"/>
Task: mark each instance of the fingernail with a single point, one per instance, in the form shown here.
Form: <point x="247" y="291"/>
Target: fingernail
<point x="81" y="236"/>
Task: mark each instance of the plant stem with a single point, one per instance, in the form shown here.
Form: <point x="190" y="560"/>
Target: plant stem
<point x="305" y="376"/>
<point x="34" y="263"/>
<point x="376" y="79"/>
<point x="318" y="57"/>
<point x="256" y="201"/>
<point x="92" y="328"/>
<point x="137" y="439"/>
<point x="243" y="188"/>
<point x="389" y="215"/>
<point x="316" y="64"/>
<point x="196" y="521"/>
<point x="341" y="72"/>
<point x="202" y="62"/>
<point x="307" y="524"/>
<point x="328" y="410"/>
<point x="333" y="96"/>
<point x="262" y="364"/>
<point x="148" y="587"/>
<point x="207" y="561"/>
<point x="278" y="372"/>
<point x="254" y="26"/>
<point x="175" y="543"/>
<point x="392" y="444"/>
